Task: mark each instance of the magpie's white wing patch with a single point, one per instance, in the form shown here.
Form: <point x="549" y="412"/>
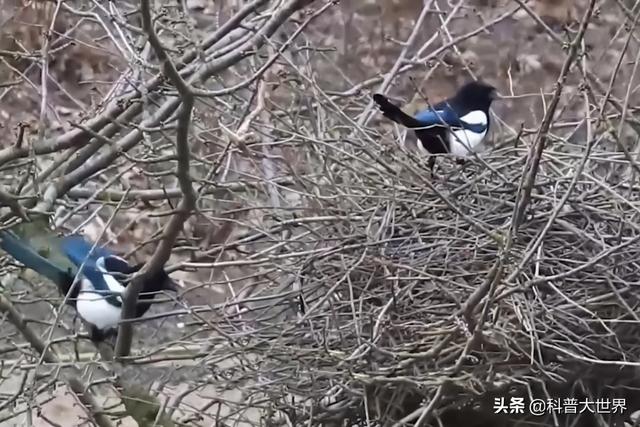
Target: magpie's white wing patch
<point x="112" y="283"/>
<point x="464" y="141"/>
<point x="475" y="117"/>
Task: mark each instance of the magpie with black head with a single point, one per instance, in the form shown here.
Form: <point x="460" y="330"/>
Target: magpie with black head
<point x="457" y="125"/>
<point x="101" y="274"/>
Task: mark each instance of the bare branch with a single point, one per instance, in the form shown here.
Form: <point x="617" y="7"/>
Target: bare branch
<point x="80" y="389"/>
<point x="533" y="162"/>
<point x="188" y="202"/>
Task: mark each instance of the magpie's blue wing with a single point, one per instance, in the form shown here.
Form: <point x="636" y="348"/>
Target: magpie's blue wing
<point x="78" y="250"/>
<point x="440" y="115"/>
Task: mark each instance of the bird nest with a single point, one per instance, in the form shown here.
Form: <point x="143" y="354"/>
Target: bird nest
<point x="406" y="297"/>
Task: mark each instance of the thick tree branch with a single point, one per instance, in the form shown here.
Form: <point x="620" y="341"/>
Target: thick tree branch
<point x="188" y="203"/>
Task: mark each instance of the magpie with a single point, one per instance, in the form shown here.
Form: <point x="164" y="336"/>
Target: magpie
<point x="456" y="125"/>
<point x="96" y="295"/>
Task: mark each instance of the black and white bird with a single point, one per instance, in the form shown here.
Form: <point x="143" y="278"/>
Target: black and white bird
<point x="97" y="297"/>
<point x="457" y="125"/>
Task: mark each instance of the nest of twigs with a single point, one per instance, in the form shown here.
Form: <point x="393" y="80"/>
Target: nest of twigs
<point x="408" y="297"/>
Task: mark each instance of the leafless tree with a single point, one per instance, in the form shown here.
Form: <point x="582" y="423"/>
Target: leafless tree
<point x="328" y="278"/>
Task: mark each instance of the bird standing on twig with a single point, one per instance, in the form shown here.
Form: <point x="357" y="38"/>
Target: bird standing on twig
<point x="97" y="295"/>
<point x="457" y="125"/>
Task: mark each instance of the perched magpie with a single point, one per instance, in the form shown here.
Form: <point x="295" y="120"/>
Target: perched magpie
<point x="457" y="125"/>
<point x="101" y="276"/>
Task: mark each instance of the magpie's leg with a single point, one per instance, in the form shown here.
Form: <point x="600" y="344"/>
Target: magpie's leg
<point x="75" y="323"/>
<point x="76" y="341"/>
<point x="76" y="332"/>
<point x="462" y="163"/>
<point x="96" y="335"/>
<point x="112" y="335"/>
<point x="301" y="305"/>
<point x="431" y="163"/>
<point x="100" y="340"/>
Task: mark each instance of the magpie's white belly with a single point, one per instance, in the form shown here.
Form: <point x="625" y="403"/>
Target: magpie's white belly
<point x="94" y="307"/>
<point x="463" y="142"/>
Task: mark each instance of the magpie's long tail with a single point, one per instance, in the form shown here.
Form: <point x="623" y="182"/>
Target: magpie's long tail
<point x="27" y="255"/>
<point x="394" y="113"/>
